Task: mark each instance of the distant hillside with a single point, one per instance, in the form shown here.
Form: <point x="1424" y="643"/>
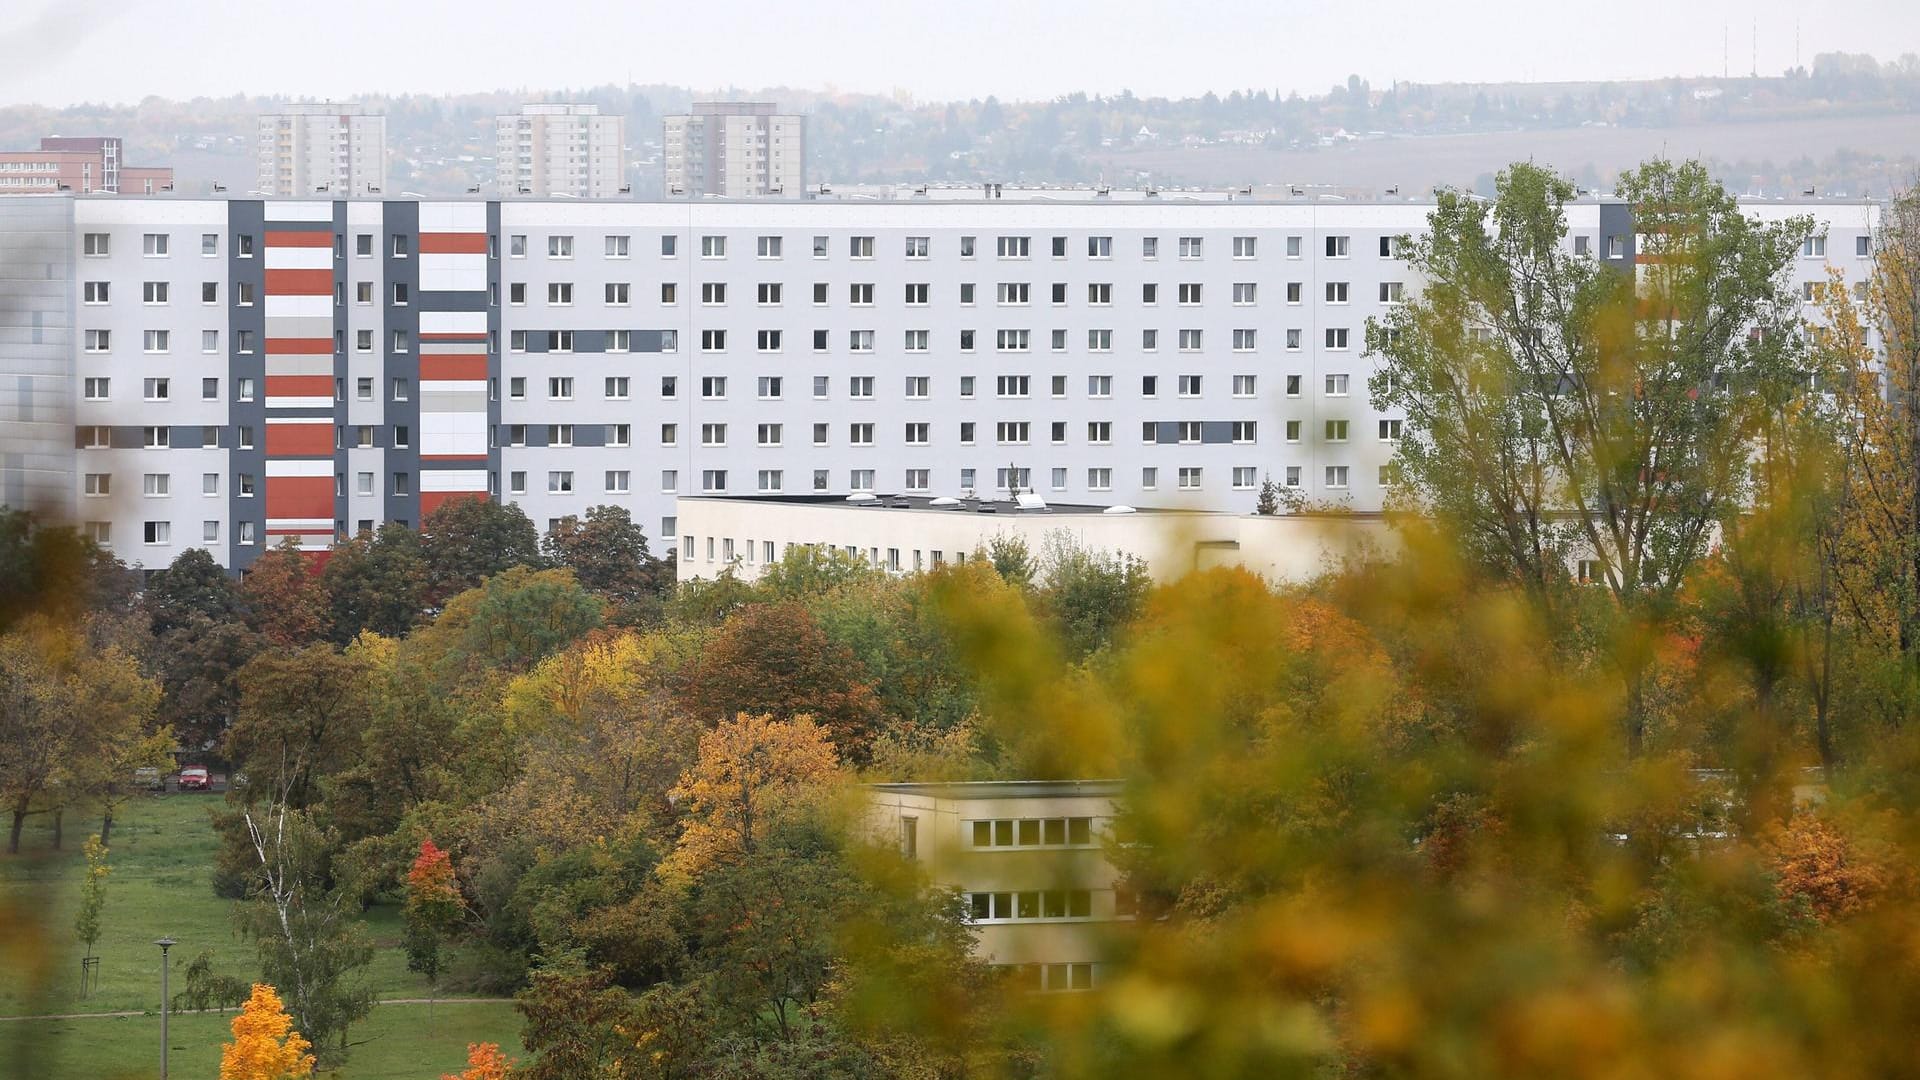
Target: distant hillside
<point x="1846" y="123"/>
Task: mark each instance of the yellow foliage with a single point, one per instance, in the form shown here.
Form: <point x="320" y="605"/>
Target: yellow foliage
<point x="751" y="771"/>
<point x="264" y="1046"/>
<point x="484" y="1062"/>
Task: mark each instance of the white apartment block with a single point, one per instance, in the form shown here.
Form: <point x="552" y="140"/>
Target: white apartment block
<point x="1028" y="859"/>
<point x="233" y="371"/>
<point x="740" y="150"/>
<point x="561" y="150"/>
<point x="331" y="149"/>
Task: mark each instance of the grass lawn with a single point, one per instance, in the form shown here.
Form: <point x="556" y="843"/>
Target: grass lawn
<point x="161" y="885"/>
<point x="397" y="1042"/>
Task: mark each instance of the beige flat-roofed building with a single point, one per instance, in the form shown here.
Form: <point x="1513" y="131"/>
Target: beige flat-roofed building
<point x="322" y="148"/>
<point x="560" y="149"/>
<point x="1030" y="859"/>
<point x="905" y="534"/>
<point x="738" y="149"/>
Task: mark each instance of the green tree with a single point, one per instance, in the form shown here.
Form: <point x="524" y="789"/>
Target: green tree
<point x="93" y="895"/>
<point x="193" y="585"/>
<point x="607" y="554"/>
<point x="1090" y="595"/>
<point x="299" y="720"/>
<point x="376" y="582"/>
<point x="464" y="541"/>
<point x="775" y="659"/>
<point x="518" y="617"/>
<point x="1558" y="406"/>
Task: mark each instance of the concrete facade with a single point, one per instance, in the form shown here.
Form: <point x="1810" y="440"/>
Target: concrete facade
<point x="1151" y="352"/>
<point x="1028" y="858"/>
<point x="330" y="149"/>
<point x="570" y="150"/>
<point x="735" y="149"/>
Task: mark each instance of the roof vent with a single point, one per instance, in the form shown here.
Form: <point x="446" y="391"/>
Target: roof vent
<point x="1028" y="500"/>
<point x="1119" y="510"/>
<point x="943" y="502"/>
<point x="861" y="497"/>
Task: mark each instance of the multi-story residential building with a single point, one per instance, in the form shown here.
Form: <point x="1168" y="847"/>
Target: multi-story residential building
<point x="561" y="150"/>
<point x="1028" y="858"/>
<point x="336" y="149"/>
<point x="80" y="164"/>
<point x="739" y="149"/>
<point x="243" y="370"/>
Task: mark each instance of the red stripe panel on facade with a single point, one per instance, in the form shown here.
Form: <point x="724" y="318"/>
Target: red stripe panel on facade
<point x="320" y="386"/>
<point x="309" y="497"/>
<point x="299" y="283"/>
<point x="305" y="346"/>
<point x="439" y="366"/>
<point x="300" y="440"/>
<point x="431" y="500"/>
<point x="443" y="243"/>
<point x="304" y="238"/>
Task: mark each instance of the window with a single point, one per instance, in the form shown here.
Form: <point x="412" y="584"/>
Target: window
<point x="1004" y="340"/>
<point x="1189" y="386"/>
<point x="619" y="435"/>
<point x="95" y="243"/>
<point x="769" y="294"/>
<point x="713" y="480"/>
<point x="1190" y="247"/>
<point x="1293" y="431"/>
<point x="767" y="435"/>
<point x="1391" y="292"/>
<point x="769" y="388"/>
<point x="770" y="479"/>
<point x="1582" y="245"/>
<point x="669" y="246"/>
<point x="767" y="247"/>
<point x="713" y="247"/>
<point x="768" y="340"/>
<point x="1149" y="385"/>
<point x="1336" y="338"/>
<point x="1862" y="246"/>
<point x="618" y="293"/>
<point x="862" y="480"/>
<point x="1059" y="247"/>
<point x="1013" y="247"/>
<point x="1190" y="478"/>
<point x="159" y="532"/>
<point x="1389" y="431"/>
<point x="1011" y="432"/>
<point x="1243" y="247"/>
<point x="1059" y="292"/>
<point x="99" y="340"/>
<point x="713" y="434"/>
<point x="156" y="389"/>
<point x="1336" y="430"/>
<point x="94" y="292"/>
<point x="1099" y="341"/>
<point x="1337" y="247"/>
<point x="560" y="293"/>
<point x="99" y="483"/>
<point x="1243" y="477"/>
<point x="153" y="245"/>
<point x="1336" y="476"/>
<point x="713" y="341"/>
<point x="1012" y="386"/>
<point x="95" y="388"/>
<point x="860" y="340"/>
<point x="1013" y="293"/>
<point x="669" y="480"/>
<point x="860" y="434"/>
<point x="860" y="386"/>
<point x="559" y="481"/>
<point x="1813" y="247"/>
<point x="1245" y="431"/>
<point x="1616" y="247"/>
<point x="916" y="340"/>
<point x="820" y="387"/>
<point x="618" y="481"/>
<point x="560" y="388"/>
<point x="1243" y="385"/>
<point x="713" y="293"/>
<point x="156" y="438"/>
<point x="919" y="386"/>
<point x="516" y="291"/>
<point x="669" y="386"/>
<point x="669" y="434"/>
<point x="1336" y="385"/>
<point x="153" y="292"/>
<point x="1100" y="479"/>
<point x="1189" y="431"/>
<point x="1189" y="341"/>
<point x="1390" y="247"/>
<point x="1336" y="292"/>
<point x="1149" y="293"/>
<point x="1099" y="432"/>
<point x="1189" y="293"/>
<point x="966" y="433"/>
<point x="966" y="341"/>
<point x="1293" y="340"/>
<point x="157" y="485"/>
<point x="917" y="433"/>
<point x="669" y="293"/>
<point x="713" y="387"/>
<point x="820" y="434"/>
<point x="155" y="341"/>
<point x="1243" y="340"/>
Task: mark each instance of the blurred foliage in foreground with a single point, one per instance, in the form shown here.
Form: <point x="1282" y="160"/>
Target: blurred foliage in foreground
<point x="1453" y="815"/>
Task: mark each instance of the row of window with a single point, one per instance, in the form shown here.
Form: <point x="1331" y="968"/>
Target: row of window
<point x="161" y="532"/>
<point x="1031" y="832"/>
<point x="1030" y="905"/>
<point x="916" y="293"/>
<point x="919" y="481"/>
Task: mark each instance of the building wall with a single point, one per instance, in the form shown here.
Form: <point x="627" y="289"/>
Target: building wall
<point x="548" y="150"/>
<point x="37" y="355"/>
<point x="341" y="147"/>
<point x="737" y="150"/>
<point x="942" y="842"/>
<point x="667" y="357"/>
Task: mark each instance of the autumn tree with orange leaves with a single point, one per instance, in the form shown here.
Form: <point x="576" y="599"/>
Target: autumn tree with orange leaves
<point x="484" y="1062"/>
<point x="265" y="1046"/>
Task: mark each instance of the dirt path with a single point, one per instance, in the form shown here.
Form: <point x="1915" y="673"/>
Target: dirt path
<point x="149" y="1012"/>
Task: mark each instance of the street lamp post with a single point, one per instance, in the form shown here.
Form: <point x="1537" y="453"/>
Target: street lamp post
<point x="165" y="943"/>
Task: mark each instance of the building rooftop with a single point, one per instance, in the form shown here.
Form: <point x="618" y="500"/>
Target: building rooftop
<point x="1030" y="505"/>
<point x="1005" y="789"/>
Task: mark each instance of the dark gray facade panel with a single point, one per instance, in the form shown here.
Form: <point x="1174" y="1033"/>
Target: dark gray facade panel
<point x="246" y="217"/>
<point x="401" y="218"/>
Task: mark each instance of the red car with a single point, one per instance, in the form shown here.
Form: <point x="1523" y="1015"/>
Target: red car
<point x="195" y="778"/>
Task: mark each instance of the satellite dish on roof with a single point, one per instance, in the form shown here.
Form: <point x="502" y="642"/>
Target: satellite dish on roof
<point x="861" y="497"/>
<point x="1118" y="510"/>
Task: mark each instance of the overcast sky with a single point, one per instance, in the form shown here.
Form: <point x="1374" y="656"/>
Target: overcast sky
<point x="58" y="52"/>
